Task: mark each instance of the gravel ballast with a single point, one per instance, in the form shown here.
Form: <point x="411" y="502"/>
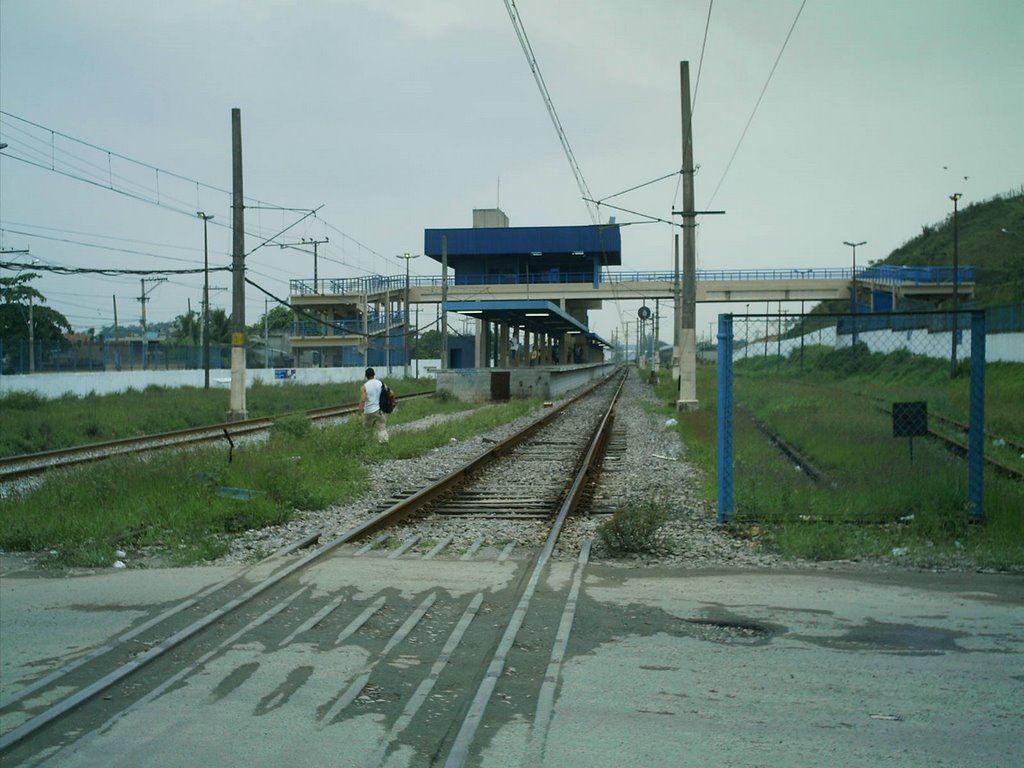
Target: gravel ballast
<point x="651" y="466"/>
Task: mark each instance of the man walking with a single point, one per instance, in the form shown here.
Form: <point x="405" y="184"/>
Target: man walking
<point x="374" y="419"/>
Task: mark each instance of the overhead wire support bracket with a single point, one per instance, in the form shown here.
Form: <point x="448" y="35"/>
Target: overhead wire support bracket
<point x="694" y="214"/>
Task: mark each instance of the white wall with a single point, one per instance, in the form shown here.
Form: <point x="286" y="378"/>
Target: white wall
<point x="53" y="385"/>
<point x="999" y="347"/>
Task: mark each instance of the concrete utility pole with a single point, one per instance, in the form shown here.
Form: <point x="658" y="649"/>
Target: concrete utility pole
<point x="677" y="331"/>
<point x="31" y="323"/>
<point x="444" y="302"/>
<point x="143" y="298"/>
<point x="237" y="411"/>
<point x="688" y="329"/>
<point x="405" y="345"/>
<point x="206" y="300"/>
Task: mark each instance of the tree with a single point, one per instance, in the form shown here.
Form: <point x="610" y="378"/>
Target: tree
<point x="280" y="318"/>
<point x="220" y="327"/>
<point x="429" y="345"/>
<point x="187" y="328"/>
<point x="18" y="299"/>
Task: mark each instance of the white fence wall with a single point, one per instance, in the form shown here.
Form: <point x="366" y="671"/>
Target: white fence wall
<point x="999" y="347"/>
<point x="53" y="385"/>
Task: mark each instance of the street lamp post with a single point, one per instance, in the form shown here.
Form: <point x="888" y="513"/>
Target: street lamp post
<point x="853" y="284"/>
<point x="746" y="331"/>
<point x="955" y="197"/>
<point x="206" y="300"/>
<point x="408" y="258"/>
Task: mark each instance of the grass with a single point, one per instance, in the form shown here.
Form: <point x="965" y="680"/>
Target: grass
<point x="875" y="500"/>
<point x="30" y="423"/>
<point x="169" y="505"/>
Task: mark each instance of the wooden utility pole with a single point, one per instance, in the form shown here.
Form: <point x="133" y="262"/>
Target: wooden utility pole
<point x="237" y="411"/>
<point x="688" y="327"/>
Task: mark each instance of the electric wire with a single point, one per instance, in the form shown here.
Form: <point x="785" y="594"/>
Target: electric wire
<point x="757" y="104"/>
<point x="531" y="59"/>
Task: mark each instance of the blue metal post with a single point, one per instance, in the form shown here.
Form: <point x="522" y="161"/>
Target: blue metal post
<point x="976" y="434"/>
<point x="726" y="504"/>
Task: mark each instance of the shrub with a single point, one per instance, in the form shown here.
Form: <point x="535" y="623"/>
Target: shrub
<point x="635" y="528"/>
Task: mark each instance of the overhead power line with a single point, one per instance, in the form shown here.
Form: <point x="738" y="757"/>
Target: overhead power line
<point x="524" y="42"/>
<point x="758" y="103"/>
<point x="37" y="145"/>
<point x="58" y="270"/>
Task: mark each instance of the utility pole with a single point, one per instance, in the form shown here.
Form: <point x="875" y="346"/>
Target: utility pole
<point x="316" y="274"/>
<point x="444" y="302"/>
<point x="657" y="333"/>
<point x="31" y="329"/>
<point x="314" y="243"/>
<point x="117" y="347"/>
<point x="688" y="330"/>
<point x="405" y="346"/>
<point x="143" y="298"/>
<point x="206" y="300"/>
<point x="677" y="331"/>
<point x="237" y="411"/>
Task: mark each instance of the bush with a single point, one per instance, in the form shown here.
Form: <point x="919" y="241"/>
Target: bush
<point x="635" y="529"/>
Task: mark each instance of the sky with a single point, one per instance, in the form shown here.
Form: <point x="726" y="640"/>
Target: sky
<point x="394" y="117"/>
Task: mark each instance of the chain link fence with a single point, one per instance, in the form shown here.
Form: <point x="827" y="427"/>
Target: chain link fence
<point x="856" y="418"/>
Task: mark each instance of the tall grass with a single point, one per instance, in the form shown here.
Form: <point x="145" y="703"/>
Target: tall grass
<point x="874" y="499"/>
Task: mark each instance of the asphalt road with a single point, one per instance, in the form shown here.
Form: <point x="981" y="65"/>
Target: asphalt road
<point x="856" y="667"/>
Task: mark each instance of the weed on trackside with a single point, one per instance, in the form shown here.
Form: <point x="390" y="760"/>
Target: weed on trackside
<point x="183" y="507"/>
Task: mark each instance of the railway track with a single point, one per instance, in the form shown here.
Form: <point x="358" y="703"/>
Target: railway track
<point x="960" y="448"/>
<point x="355" y="639"/>
<point x="14" y="468"/>
<point x="950" y="443"/>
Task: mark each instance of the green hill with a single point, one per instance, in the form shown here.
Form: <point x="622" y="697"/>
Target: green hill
<point x="997" y="255"/>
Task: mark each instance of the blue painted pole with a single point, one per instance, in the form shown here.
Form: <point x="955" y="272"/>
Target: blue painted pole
<point x="976" y="432"/>
<point x="726" y="504"/>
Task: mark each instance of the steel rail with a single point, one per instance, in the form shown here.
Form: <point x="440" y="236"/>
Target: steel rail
<point x="26" y="465"/>
<point x="459" y="753"/>
<point x="393" y="514"/>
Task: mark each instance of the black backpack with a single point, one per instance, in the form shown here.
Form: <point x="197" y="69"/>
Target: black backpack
<point x="387" y="398"/>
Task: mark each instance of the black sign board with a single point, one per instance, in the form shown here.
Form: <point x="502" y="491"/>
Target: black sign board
<point x="909" y="419"/>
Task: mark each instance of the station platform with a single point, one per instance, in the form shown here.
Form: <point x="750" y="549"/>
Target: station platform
<point x="478" y="385"/>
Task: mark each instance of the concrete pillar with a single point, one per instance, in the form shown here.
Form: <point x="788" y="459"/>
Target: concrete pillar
<point x="480" y="344"/>
<point x="503" y="346"/>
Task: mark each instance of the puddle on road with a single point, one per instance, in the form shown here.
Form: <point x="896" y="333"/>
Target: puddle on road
<point x="892" y="638"/>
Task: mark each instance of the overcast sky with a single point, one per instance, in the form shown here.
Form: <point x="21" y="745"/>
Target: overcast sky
<point x="403" y="115"/>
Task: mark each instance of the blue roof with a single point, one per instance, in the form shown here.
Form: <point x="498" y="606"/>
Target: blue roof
<point x="588" y="241"/>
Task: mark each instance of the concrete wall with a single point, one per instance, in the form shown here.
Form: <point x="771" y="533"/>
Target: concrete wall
<point x="548" y="382"/>
<point x="53" y="385"/>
